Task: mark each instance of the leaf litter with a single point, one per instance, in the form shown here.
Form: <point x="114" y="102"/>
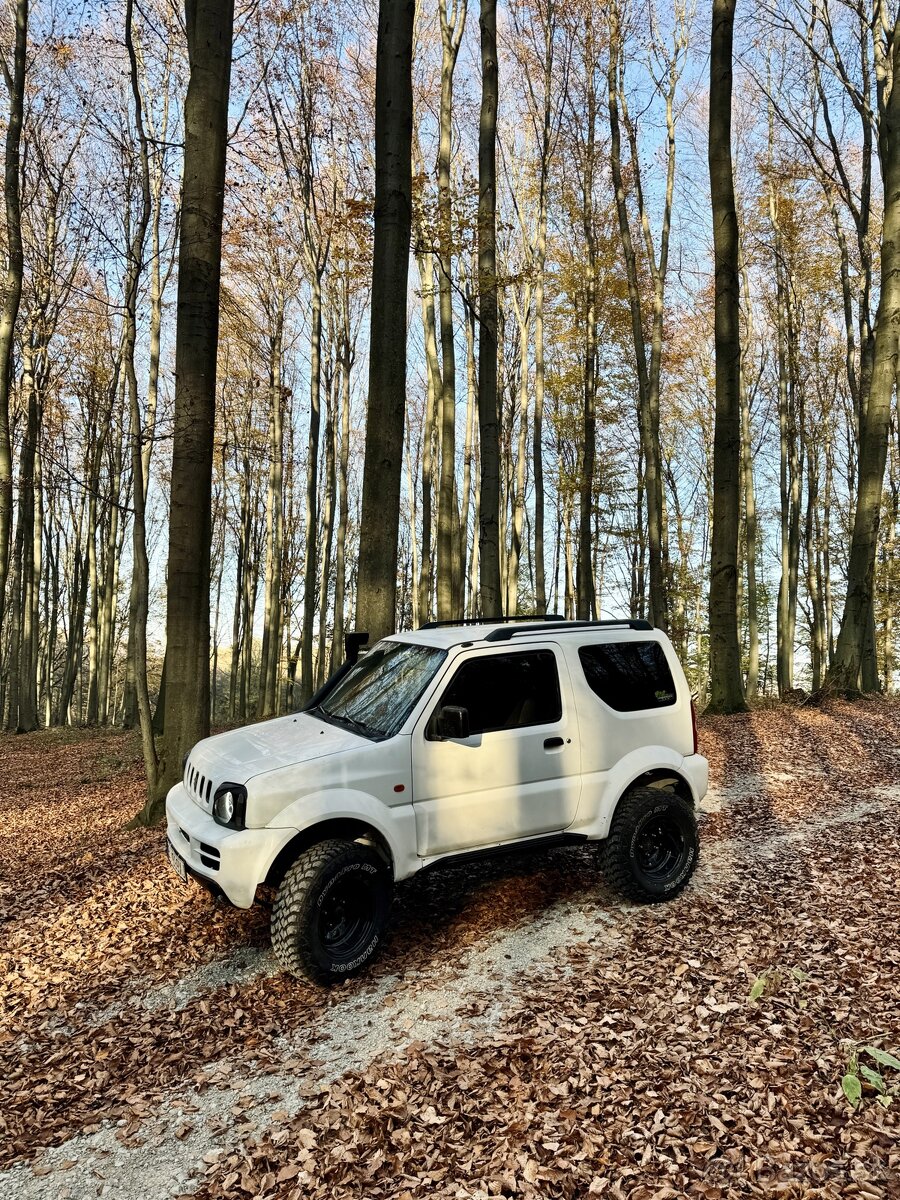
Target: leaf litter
<point x="524" y="1033"/>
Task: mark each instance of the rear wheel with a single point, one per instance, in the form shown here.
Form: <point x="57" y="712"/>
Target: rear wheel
<point x="331" y="910"/>
<point x="652" y="848"/>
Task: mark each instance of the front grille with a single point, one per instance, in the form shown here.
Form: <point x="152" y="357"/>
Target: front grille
<point x="200" y="786"/>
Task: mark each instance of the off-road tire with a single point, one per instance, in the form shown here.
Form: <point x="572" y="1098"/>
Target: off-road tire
<point x="309" y="895"/>
<point x="641" y="816"/>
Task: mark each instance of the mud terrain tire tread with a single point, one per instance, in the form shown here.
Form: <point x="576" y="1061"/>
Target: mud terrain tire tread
<point x="293" y="914"/>
<point x="619" y="865"/>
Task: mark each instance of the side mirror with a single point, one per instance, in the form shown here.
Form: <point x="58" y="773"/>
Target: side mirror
<point x="453" y="722"/>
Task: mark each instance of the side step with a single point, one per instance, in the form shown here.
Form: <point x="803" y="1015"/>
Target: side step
<point x="539" y="843"/>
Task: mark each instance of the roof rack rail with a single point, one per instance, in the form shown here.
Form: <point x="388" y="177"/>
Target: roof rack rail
<point x="505" y="635"/>
<point x="491" y="620"/>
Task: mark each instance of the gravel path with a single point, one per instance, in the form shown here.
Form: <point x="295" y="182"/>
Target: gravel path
<point x="451" y="1005"/>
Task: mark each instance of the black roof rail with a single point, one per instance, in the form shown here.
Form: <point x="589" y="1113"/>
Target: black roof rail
<point x="504" y="635"/>
<point x="491" y="620"/>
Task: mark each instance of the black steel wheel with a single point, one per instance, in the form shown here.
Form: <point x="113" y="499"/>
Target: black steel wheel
<point x="331" y="910"/>
<point x="652" y="848"/>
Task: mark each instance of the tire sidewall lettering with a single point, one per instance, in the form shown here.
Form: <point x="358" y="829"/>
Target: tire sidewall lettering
<point x="343" y="968"/>
<point x="329" y="883"/>
<point x="662" y="888"/>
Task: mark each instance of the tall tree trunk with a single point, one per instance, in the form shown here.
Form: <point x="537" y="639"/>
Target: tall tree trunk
<point x="549" y="15"/>
<point x="15" y="84"/>
<point x="51" y="608"/>
<point x="488" y="414"/>
<point x="464" y="598"/>
<point x="380" y="523"/>
<point x="452" y="26"/>
<point x="271" y="647"/>
<point x="784" y="645"/>
<point x="329" y="489"/>
<point x="751" y="523"/>
<point x="111" y="560"/>
<point x="726" y="684"/>
<point x="23" y="695"/>
<point x="523" y="315"/>
<point x="752" y="537"/>
<point x="857" y="620"/>
<point x="77" y="606"/>
<point x="432" y="392"/>
<point x="648" y="373"/>
<point x="345" y="359"/>
<point x="140" y="461"/>
<point x="130" y="715"/>
<point x="210" y="28"/>
<point x="813" y="572"/>
<point x="310" y="558"/>
<point x="584" y="580"/>
<point x="890" y="558"/>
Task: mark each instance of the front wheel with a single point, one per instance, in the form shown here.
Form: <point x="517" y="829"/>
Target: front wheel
<point x="331" y="910"/>
<point x="652" y="848"/>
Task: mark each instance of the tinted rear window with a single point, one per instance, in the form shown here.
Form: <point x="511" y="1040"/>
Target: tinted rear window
<point x="629" y="676"/>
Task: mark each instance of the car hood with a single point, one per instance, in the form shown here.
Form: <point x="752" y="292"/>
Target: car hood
<point x="239" y="754"/>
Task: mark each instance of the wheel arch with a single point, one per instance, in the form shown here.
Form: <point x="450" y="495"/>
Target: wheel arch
<point x="347" y="828"/>
<point x="664" y="778"/>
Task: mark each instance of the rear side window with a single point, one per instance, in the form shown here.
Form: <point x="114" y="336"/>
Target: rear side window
<point x="629" y="676"/>
<point x="507" y="691"/>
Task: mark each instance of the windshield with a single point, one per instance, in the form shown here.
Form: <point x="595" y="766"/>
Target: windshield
<point x="379" y="693"/>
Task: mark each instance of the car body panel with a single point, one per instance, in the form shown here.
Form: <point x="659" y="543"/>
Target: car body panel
<point x="424" y="800"/>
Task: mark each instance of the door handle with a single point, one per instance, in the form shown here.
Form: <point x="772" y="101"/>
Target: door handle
<point x="552" y="743"/>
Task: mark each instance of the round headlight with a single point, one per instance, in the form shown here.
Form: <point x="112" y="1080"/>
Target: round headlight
<point x="224" y="806"/>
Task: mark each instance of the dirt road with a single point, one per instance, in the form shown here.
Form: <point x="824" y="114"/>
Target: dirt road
<point x="524" y="1032"/>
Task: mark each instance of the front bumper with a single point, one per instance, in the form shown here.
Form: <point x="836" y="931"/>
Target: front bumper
<point x="230" y="863"/>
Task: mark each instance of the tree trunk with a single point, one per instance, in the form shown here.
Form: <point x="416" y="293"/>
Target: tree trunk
<point x="726" y="684"/>
<point x="465" y="583"/>
<point x="271" y="647"/>
<point x="752" y="538"/>
<point x="380" y="523"/>
<point x="523" y="315"/>
<point x="140" y="588"/>
<point x="210" y="27"/>
<point x="452" y="26"/>
<point x="857" y="622"/>
<point x="345" y="358"/>
<point x="310" y="558"/>
<point x="648" y="373"/>
<point x="488" y="414"/>
<point x="584" y="584"/>
<point x="23" y="696"/>
<point x="329" y="488"/>
<point x="432" y="392"/>
<point x="13" y="293"/>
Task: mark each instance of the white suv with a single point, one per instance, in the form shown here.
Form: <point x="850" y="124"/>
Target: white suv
<point x="450" y="742"/>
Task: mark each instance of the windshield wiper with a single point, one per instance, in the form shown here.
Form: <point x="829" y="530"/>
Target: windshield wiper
<point x="365" y="730"/>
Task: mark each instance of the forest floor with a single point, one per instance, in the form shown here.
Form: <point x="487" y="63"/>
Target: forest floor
<point x="523" y="1033"/>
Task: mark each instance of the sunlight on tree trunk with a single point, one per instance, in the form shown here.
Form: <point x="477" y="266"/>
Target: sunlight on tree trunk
<point x="380" y="522"/>
<point x="726" y="684"/>
<point x="209" y="26"/>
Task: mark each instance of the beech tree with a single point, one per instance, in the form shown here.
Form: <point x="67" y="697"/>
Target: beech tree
<point x="209" y="26"/>
<point x="726" y="688"/>
<point x="380" y="522"/>
<point x="547" y="441"/>
<point x="14" y="77"/>
<point x="845" y="671"/>
<point x="488" y="415"/>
